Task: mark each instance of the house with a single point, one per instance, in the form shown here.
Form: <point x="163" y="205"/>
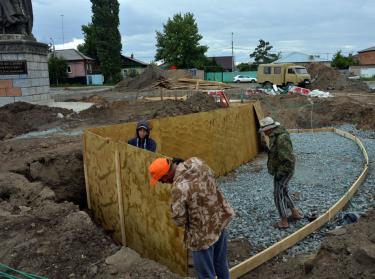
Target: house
<point x="303" y="59"/>
<point x="81" y="68"/>
<point x="366" y="67"/>
<point x="131" y="66"/>
<point x="226" y="62"/>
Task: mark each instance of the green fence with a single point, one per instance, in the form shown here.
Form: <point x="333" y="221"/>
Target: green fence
<point x="227" y="76"/>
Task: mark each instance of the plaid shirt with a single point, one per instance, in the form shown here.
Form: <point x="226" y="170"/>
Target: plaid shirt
<point x="198" y="204"/>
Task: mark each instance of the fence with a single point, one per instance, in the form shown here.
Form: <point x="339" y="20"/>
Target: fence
<point x="227" y="76"/>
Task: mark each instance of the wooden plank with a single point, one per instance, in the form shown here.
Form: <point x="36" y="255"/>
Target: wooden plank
<point x="260" y="258"/>
<point x="119" y="197"/>
<point x="149" y="227"/>
<point x="86" y="172"/>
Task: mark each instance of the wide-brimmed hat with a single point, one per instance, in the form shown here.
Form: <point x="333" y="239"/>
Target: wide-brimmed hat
<point x="267" y="123"/>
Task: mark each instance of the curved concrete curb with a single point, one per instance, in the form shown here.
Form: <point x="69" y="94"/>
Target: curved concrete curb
<point x="260" y="258"/>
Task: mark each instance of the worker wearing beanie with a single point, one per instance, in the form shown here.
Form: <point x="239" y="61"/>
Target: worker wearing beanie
<point x="142" y="139"/>
<point x="199" y="205"/>
<point x="280" y="164"/>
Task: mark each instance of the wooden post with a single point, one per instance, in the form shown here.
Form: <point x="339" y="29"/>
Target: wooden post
<point x="119" y="197"/>
<point x="85" y="172"/>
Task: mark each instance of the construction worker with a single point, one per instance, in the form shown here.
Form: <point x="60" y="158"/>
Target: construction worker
<point x="142" y="139"/>
<point x="281" y="164"/>
<point x="199" y="205"/>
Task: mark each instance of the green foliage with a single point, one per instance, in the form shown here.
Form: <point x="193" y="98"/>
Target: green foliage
<point x="244" y="67"/>
<point x="262" y="53"/>
<point x="57" y="69"/>
<point x="105" y="23"/>
<point x="89" y="46"/>
<point x="178" y="44"/>
<point x="342" y="62"/>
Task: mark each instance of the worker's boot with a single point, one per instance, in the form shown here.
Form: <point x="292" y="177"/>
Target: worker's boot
<point x="296" y="215"/>
<point x="282" y="224"/>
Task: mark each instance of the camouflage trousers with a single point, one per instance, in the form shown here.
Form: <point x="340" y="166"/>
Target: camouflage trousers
<point x="281" y="194"/>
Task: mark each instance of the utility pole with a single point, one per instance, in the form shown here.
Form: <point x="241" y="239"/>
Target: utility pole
<point x="62" y="29"/>
<point x="232" y="55"/>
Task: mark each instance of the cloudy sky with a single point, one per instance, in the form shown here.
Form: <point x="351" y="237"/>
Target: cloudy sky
<point x="309" y="26"/>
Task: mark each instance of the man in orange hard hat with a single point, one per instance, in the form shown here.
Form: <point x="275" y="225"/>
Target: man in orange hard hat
<point x="199" y="205"/>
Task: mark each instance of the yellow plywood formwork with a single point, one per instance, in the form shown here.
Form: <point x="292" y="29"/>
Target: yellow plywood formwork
<point x="260" y="258"/>
<point x="118" y="181"/>
<point x="101" y="181"/>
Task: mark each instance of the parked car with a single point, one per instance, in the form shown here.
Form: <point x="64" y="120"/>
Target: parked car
<point x="242" y="78"/>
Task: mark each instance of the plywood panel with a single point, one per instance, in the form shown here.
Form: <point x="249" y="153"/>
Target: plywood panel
<point x="100" y="162"/>
<point x="224" y="139"/>
<point x="149" y="228"/>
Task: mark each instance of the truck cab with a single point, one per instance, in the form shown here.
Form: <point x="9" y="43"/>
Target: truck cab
<point x="282" y="75"/>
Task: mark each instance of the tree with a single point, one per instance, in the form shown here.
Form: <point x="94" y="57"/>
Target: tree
<point x="341" y="62"/>
<point x="178" y="44"/>
<point x="262" y="53"/>
<point x="105" y="24"/>
<point x="57" y="69"/>
<point x="89" y="46"/>
<point x="243" y="67"/>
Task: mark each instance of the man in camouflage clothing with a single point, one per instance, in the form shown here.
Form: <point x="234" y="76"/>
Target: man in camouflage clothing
<point x="281" y="164"/>
<point x="199" y="205"/>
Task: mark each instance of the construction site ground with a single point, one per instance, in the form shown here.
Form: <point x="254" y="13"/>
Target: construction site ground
<point x="45" y="225"/>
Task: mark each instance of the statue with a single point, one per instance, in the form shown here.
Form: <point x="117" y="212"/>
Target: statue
<point x="16" y="17"/>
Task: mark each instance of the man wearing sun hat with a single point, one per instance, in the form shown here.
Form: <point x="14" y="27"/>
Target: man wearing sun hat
<point x="280" y="164"/>
<point x="199" y="205"/>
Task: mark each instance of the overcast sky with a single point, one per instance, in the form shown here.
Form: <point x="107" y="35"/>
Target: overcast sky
<point x="309" y="26"/>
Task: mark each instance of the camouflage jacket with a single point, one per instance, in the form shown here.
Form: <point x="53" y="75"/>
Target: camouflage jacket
<point x="280" y="156"/>
<point x="198" y="204"/>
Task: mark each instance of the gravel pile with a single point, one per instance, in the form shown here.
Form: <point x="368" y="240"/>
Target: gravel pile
<point x="327" y="164"/>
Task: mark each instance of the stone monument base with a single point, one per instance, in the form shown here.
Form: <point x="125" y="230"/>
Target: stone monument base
<point x="23" y="69"/>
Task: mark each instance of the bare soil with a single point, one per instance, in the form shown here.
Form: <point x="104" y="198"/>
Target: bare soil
<point x="46" y="229"/>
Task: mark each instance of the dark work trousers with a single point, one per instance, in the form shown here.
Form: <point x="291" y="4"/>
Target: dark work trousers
<point x="281" y="195"/>
<point x="213" y="261"/>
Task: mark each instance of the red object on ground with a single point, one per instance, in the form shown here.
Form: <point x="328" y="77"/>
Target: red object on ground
<point x="224" y="101"/>
<point x="173" y="67"/>
<point x="299" y="90"/>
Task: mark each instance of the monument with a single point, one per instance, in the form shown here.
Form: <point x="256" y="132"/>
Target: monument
<point x="23" y="60"/>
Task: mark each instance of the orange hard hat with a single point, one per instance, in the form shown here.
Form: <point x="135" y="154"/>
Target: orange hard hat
<point x="158" y="168"/>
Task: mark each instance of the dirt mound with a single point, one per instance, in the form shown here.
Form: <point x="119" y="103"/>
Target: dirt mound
<point x="144" y="80"/>
<point x="126" y="111"/>
<point x="20" y="117"/>
<point x="327" y="78"/>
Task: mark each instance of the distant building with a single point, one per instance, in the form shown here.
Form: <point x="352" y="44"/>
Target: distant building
<point x="130" y="65"/>
<point x="226" y="62"/>
<point x="81" y="68"/>
<point x="303" y="59"/>
<point x="366" y="67"/>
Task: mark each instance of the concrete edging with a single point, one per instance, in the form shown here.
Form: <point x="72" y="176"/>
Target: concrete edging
<point x="260" y="258"/>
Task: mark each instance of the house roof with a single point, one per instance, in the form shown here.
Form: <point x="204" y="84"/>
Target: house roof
<point x="134" y="61"/>
<point x="224" y="61"/>
<point x="72" y="55"/>
<point x="299" y="57"/>
<point x="367" y="49"/>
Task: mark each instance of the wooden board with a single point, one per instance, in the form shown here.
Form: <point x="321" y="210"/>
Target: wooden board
<point x="102" y="182"/>
<point x="149" y="227"/>
<point x="260" y="258"/>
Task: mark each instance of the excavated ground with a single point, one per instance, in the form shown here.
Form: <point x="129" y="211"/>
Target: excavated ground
<point x="45" y="227"/>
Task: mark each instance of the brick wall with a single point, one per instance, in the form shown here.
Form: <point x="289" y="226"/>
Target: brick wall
<point x="367" y="58"/>
<point x="7" y="89"/>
